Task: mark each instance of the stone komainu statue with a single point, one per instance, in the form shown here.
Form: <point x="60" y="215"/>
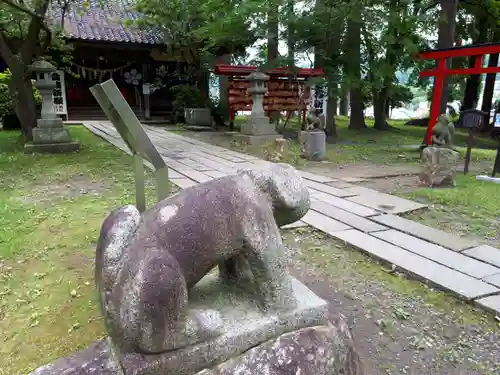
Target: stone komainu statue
<point x="443" y="133"/>
<point x="146" y="264"/>
<point x="159" y="322"/>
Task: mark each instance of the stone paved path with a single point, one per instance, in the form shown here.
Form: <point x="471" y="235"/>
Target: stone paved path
<point x="362" y="217"/>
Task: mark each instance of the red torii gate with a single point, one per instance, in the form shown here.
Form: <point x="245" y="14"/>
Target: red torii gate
<point x="441" y="71"/>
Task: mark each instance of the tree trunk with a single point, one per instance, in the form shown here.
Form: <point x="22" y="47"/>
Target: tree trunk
<point x="379" y="109"/>
<point x="331" y="110"/>
<point x="489" y="87"/>
<point x="344" y="102"/>
<point x="223" y="87"/>
<point x="291" y="34"/>
<point x="21" y="90"/>
<point x="446" y="39"/>
<point x="353" y="69"/>
<point x="272" y="34"/>
<point x="473" y="82"/>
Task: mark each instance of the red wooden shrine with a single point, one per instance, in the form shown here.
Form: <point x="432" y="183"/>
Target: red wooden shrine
<point x="441" y="71"/>
<point x="284" y="94"/>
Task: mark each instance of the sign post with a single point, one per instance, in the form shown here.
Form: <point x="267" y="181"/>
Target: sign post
<point x="133" y="134"/>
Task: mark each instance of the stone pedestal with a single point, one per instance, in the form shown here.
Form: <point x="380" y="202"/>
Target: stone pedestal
<point x="439" y="165"/>
<point x="257" y="129"/>
<point x="313" y="144"/>
<point x="49" y="136"/>
<point x="301" y="340"/>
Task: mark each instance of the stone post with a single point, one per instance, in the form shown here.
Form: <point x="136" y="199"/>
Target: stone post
<point x="49" y="135"/>
<point x="257" y="128"/>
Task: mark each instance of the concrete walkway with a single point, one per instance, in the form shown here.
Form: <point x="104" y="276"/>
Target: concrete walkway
<point x="362" y="217"/>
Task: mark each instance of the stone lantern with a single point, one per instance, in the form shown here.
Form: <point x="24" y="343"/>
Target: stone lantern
<point x="49" y="135"/>
<point x="257" y="128"/>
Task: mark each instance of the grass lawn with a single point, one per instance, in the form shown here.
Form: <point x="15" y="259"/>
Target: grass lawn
<point x="470" y="209"/>
<point x="51" y="209"/>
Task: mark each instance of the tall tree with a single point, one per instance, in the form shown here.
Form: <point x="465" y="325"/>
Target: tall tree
<point x="489" y="84"/>
<point x="272" y="32"/>
<point x="25" y="35"/>
<point x="446" y="39"/>
<point x="479" y="33"/>
<point x="352" y="69"/>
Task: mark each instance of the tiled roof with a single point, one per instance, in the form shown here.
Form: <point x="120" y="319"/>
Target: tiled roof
<point x="102" y="22"/>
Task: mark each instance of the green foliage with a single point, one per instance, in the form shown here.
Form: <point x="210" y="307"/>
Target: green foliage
<point x="6" y="105"/>
<point x="399" y="95"/>
<point x="187" y="96"/>
<point x="204" y="28"/>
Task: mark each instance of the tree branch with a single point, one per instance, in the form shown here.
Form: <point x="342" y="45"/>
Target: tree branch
<point x="5" y="50"/>
<point x="36" y="25"/>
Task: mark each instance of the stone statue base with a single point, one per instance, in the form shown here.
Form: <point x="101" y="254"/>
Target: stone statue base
<point x="51" y="137"/>
<point x="297" y="341"/>
<point x="256" y="139"/>
<point x="257" y="125"/>
<point x="257" y="130"/>
<point x="313" y="144"/>
<point x="439" y="165"/>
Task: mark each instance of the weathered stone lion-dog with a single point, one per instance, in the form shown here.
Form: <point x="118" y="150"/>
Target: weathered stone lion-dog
<point x="146" y="264"/>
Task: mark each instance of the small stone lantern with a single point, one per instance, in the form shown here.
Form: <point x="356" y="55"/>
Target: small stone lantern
<point x="258" y="90"/>
<point x="258" y="128"/>
<point x="49" y="135"/>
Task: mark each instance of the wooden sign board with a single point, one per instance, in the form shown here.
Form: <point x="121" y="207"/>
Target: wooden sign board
<point x="133" y="134"/>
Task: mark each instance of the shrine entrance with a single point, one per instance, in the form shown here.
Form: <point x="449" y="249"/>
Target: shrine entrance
<point x="441" y="71"/>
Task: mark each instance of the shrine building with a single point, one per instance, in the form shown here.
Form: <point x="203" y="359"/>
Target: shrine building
<point x="102" y="49"/>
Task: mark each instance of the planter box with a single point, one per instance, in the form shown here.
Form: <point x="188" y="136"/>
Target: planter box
<point x="198" y="116"/>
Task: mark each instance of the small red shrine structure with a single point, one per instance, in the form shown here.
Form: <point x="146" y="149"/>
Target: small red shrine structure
<point x="441" y="71"/>
<point x="284" y="94"/>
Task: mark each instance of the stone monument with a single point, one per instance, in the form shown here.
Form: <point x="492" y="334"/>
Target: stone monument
<point x="168" y="311"/>
<point x="257" y="128"/>
<point x="50" y="135"/>
<point x="439" y="160"/>
<point x="312" y="140"/>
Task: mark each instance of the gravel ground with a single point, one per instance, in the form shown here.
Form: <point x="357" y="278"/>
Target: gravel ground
<point x="401" y="326"/>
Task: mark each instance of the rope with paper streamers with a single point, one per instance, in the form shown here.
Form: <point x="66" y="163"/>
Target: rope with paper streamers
<point x="98" y="74"/>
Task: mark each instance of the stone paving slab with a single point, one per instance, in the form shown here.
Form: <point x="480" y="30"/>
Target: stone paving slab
<point x="328" y="189"/>
<point x="383" y="202"/>
<point x="346" y="205"/>
<point x="424" y="232"/>
<point x="346" y="217"/>
<point x="340" y="184"/>
<point x="183" y="183"/>
<point x="297" y="224"/>
<point x="493" y="279"/>
<point x="216" y="174"/>
<point x="197" y="176"/>
<point x="323" y="223"/>
<point x="316" y="177"/>
<point x="449" y="258"/>
<point x="465" y="286"/>
<point x="172" y="173"/>
<point x="491" y="303"/>
<point x="485" y="253"/>
<point x="353" y="179"/>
